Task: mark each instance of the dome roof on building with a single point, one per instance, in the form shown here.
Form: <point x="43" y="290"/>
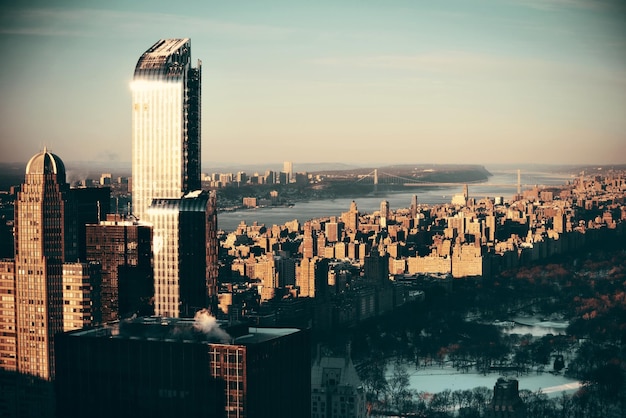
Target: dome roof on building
<point x="46" y="163"/>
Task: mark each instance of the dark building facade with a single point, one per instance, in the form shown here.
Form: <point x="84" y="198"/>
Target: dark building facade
<point x="163" y="367"/>
<point x="506" y="402"/>
<point x="124" y="250"/>
<point x="336" y="390"/>
<point x="89" y="206"/>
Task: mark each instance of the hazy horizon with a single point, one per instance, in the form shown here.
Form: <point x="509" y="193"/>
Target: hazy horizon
<point x="82" y="169"/>
<point x="453" y="82"/>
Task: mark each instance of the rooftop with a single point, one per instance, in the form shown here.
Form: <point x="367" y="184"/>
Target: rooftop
<point x="186" y="330"/>
<point x="46" y="162"/>
<point x="165" y="59"/>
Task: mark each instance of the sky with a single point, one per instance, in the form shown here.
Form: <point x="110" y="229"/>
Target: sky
<point x="360" y="82"/>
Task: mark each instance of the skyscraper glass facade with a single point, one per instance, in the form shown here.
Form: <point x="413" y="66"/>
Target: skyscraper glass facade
<point x="165" y="124"/>
<point x="185" y="254"/>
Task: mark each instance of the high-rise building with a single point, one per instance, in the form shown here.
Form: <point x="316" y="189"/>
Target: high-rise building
<point x="336" y="390"/>
<point x="89" y="206"/>
<point x="264" y="269"/>
<point x="384" y="213"/>
<point x="351" y="218"/>
<point x="8" y="354"/>
<point x="309" y="241"/>
<point x="50" y="295"/>
<point x="414" y="206"/>
<point x="124" y="250"/>
<point x="165" y="124"/>
<point x="376" y="266"/>
<point x="41" y="293"/>
<point x="167" y="180"/>
<point x="288" y="170"/>
<point x="6" y="237"/>
<point x="185" y="253"/>
<point x="559" y="222"/>
<point x="285" y="271"/>
<point x="164" y="367"/>
<point x="39" y="256"/>
<point x="332" y="230"/>
<point x="305" y="277"/>
<point x="312" y="277"/>
<point x="81" y="295"/>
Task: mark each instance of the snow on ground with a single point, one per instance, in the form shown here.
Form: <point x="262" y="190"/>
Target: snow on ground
<point x="537" y="327"/>
<point x="435" y="379"/>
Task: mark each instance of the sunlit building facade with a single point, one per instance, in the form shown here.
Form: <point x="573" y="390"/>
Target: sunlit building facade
<point x="185" y="254"/>
<point x="165" y="124"/>
<point x="39" y="257"/>
<point x="384" y="213"/>
<point x="351" y="218"/>
<point x="81" y="295"/>
<point x="288" y="170"/>
<point x="7" y="316"/>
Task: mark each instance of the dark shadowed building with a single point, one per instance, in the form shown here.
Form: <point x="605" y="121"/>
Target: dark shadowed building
<point x="124" y="250"/>
<point x="336" y="390"/>
<point x="506" y="402"/>
<point x="164" y="367"/>
<point x="89" y="206"/>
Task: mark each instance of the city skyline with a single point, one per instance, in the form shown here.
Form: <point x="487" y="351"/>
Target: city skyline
<point x="517" y="81"/>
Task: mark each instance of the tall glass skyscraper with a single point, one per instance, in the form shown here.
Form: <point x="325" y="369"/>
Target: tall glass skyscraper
<point x="166" y="167"/>
<point x="165" y="124"/>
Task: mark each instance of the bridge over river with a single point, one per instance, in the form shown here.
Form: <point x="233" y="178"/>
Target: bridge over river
<point x="375" y="177"/>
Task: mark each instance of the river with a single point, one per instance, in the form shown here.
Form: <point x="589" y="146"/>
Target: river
<point x="306" y="210"/>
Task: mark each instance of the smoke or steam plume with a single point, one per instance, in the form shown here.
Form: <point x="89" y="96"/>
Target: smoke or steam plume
<point x="207" y="324"/>
<point x="75" y="176"/>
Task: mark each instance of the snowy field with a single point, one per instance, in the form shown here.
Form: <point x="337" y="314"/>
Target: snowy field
<point x="537" y="327"/>
<point x="435" y="379"/>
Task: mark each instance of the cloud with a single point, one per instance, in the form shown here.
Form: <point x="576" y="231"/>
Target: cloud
<point x="85" y="23"/>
